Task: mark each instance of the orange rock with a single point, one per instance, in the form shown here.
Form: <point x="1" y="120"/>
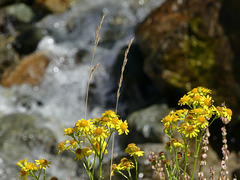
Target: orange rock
<point x="55" y="6"/>
<point x="30" y="70"/>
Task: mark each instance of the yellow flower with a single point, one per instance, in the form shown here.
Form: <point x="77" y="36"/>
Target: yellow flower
<point x="109" y="113"/>
<point x="72" y="143"/>
<point x="100" y="133"/>
<point x="207" y="101"/>
<point x="81" y="153"/>
<point x="204" y="91"/>
<point x="178" y="144"/>
<point x="197" y="99"/>
<point x="69" y="131"/>
<point x="184" y="101"/>
<point x="190" y="130"/>
<point x="23" y="174"/>
<point x="202" y="122"/>
<point x="226" y="112"/>
<point x="122" y="127"/>
<point x="61" y="147"/>
<point x="31" y="167"/>
<point x="99" y="147"/>
<point x="133" y="150"/>
<point x="22" y="163"/>
<point x="84" y="126"/>
<point x="126" y="164"/>
<point x="114" y="122"/>
<point x="189" y="118"/>
<point x="43" y="163"/>
<point x="167" y="120"/>
<point x="114" y="169"/>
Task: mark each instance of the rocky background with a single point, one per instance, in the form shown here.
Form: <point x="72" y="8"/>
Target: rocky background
<point x="179" y="45"/>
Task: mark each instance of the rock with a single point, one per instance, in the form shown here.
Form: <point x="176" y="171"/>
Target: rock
<point x="54" y="6"/>
<point x="14" y="17"/>
<point x="34" y="34"/>
<point x="8" y="56"/>
<point x="185" y="46"/>
<point x="27" y="136"/>
<point x="146" y="123"/>
<point x="21" y="12"/>
<point x="30" y="70"/>
<point x="20" y="136"/>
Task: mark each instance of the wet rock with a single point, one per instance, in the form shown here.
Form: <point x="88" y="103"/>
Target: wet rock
<point x="30" y="70"/>
<point x="27" y="40"/>
<point x="27" y="136"/>
<point x="8" y="56"/>
<point x="21" y="12"/>
<point x="14" y="17"/>
<point x="185" y="46"/>
<point x="54" y="6"/>
<point x="146" y="123"/>
<point x="21" y="134"/>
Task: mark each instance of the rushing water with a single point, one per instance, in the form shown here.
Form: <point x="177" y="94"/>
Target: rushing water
<point x="61" y="95"/>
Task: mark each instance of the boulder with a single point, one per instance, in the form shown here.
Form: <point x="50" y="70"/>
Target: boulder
<point x="30" y="70"/>
<point x="54" y="6"/>
<point x="185" y="46"/>
<point x="146" y="123"/>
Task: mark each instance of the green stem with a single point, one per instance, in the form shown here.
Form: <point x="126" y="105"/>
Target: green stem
<point x="39" y="174"/>
<point x="100" y="169"/>
<point x="44" y="174"/>
<point x="196" y="152"/>
<point x="33" y="175"/>
<point x="136" y="164"/>
<point x="129" y="173"/>
<point x="123" y="175"/>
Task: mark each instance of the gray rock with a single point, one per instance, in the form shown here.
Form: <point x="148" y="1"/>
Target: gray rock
<point x="21" y="12"/>
<point x="147" y="122"/>
<point x="24" y="136"/>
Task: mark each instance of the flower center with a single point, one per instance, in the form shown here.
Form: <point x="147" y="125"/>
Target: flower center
<point x="43" y="161"/>
<point x="201" y="119"/>
<point x="190" y="128"/>
<point x="229" y="112"/>
<point x="105" y="119"/>
<point x="78" y="151"/>
<point x="84" y="123"/>
<point x="115" y="120"/>
<point x="124" y="126"/>
<point x="168" y="118"/>
<point x="98" y="131"/>
<point x="207" y="102"/>
<point x="195" y="90"/>
<point x="197" y="98"/>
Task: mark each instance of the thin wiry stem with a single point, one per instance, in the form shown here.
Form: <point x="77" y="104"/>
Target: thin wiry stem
<point x="118" y="95"/>
<point x="97" y="39"/>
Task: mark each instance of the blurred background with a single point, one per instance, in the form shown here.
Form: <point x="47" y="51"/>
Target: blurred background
<point x="45" y="54"/>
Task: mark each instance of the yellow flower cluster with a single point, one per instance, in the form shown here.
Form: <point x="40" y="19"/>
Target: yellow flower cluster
<point x="28" y="168"/>
<point x="196" y="118"/>
<point x="125" y="164"/>
<point x="97" y="131"/>
<point x="133" y="150"/>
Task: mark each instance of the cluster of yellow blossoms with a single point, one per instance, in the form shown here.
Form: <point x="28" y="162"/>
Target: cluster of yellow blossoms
<point x="126" y="164"/>
<point x="189" y="122"/>
<point x="97" y="131"/>
<point x="29" y="168"/>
